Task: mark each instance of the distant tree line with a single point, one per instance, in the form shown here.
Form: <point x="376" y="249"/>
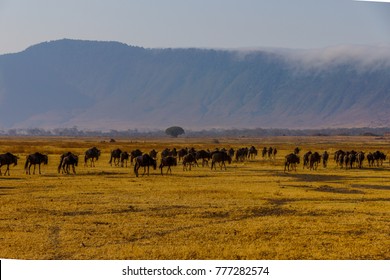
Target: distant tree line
<point x="257" y="132"/>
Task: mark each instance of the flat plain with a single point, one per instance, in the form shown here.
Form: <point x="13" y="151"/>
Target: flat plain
<point x="251" y="210"/>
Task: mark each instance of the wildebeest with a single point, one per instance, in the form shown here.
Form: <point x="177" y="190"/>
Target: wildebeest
<point x="339" y="157"/>
<point x="274" y="152"/>
<point x="370" y="159"/>
<point x="220" y="157"/>
<point x="115" y="156"/>
<point x="91" y="154"/>
<point x="379" y="157"/>
<point x="153" y="153"/>
<point x="68" y="159"/>
<point x="360" y="159"/>
<point x="144" y="161"/>
<point x="168" y="152"/>
<point x="231" y="152"/>
<point x="297" y="150"/>
<point x="124" y="157"/>
<point x="270" y="152"/>
<point x="8" y="159"/>
<point x="205" y="156"/>
<point x="264" y="152"/>
<point x="252" y="152"/>
<point x="325" y="157"/>
<point x="168" y="161"/>
<point x="241" y="154"/>
<point x="306" y="158"/>
<point x="134" y="154"/>
<point x="182" y="152"/>
<point x="291" y="160"/>
<point x="34" y="159"/>
<point x="351" y="159"/>
<point x="314" y="160"/>
<point x="188" y="161"/>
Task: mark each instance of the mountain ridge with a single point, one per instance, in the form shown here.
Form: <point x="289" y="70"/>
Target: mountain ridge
<point x="103" y="85"/>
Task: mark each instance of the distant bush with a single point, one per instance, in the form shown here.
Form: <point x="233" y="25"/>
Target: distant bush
<point x="174" y="131"/>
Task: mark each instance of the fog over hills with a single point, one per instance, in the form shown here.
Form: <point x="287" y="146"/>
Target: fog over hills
<point x="109" y="85"/>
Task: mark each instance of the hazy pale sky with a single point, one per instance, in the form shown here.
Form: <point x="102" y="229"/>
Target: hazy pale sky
<point x="196" y="23"/>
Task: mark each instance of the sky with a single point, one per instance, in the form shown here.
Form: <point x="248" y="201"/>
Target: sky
<point x="296" y="24"/>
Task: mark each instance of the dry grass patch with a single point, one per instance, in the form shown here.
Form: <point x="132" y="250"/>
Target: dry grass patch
<point x="253" y="210"/>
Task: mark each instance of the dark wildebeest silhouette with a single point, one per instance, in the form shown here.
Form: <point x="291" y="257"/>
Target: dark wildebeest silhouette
<point x="92" y="155"/>
<point x="351" y="159"/>
<point x="166" y="152"/>
<point x="270" y="152"/>
<point x="34" y="159"/>
<point x="221" y="158"/>
<point x="379" y="157"/>
<point x="181" y="153"/>
<point x="115" y="156"/>
<point x="8" y="159"/>
<point x="153" y="154"/>
<point x="291" y="160"/>
<point x="66" y="160"/>
<point x="144" y="161"/>
<point x="339" y="157"/>
<point x="297" y="150"/>
<point x="231" y="152"/>
<point x="205" y="156"/>
<point x="325" y="157"/>
<point x="274" y="152"/>
<point x="264" y="152"/>
<point x="188" y="161"/>
<point x="252" y="152"/>
<point x="370" y="159"/>
<point x="168" y="161"/>
<point x="360" y="159"/>
<point x="306" y="158"/>
<point x="314" y="160"/>
<point x="134" y="154"/>
<point x="241" y="154"/>
<point x="124" y="157"/>
<point x="345" y="160"/>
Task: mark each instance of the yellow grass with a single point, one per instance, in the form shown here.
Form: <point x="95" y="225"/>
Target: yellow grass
<point x="253" y="210"/>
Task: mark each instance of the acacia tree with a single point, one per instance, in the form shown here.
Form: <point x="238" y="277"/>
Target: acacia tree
<point x="174" y="131"/>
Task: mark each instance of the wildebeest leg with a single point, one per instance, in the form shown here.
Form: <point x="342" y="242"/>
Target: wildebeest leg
<point x="74" y="169"/>
<point x="7" y="170"/>
<point x="287" y="165"/>
<point x="67" y="169"/>
<point x="161" y="168"/>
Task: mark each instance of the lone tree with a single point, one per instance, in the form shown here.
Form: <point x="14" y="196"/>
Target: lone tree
<point x="174" y="131"/>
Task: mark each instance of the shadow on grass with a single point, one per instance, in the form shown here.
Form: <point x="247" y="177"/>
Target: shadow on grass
<point x="371" y="187"/>
<point x="314" y="177"/>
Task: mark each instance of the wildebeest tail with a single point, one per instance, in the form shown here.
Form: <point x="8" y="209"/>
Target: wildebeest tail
<point x="26" y="164"/>
<point x="61" y="161"/>
<point x="136" y="168"/>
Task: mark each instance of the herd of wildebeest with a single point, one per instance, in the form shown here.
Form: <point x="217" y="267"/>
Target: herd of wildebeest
<point x="189" y="157"/>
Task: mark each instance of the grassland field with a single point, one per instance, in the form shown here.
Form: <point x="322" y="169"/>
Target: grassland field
<point x="252" y="210"/>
